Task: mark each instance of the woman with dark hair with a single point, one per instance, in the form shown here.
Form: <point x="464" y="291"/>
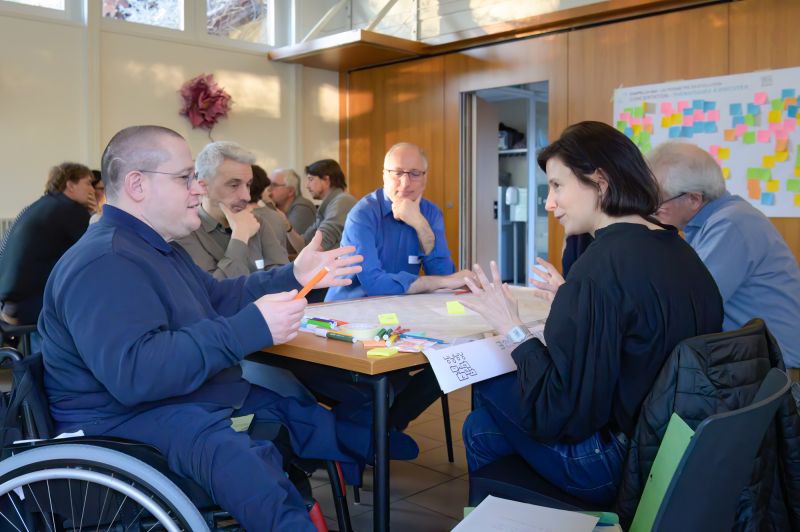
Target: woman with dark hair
<point x="259" y="184"/>
<point x="635" y="292"/>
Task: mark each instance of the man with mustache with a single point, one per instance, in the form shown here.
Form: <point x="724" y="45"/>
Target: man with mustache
<point x="232" y="240"/>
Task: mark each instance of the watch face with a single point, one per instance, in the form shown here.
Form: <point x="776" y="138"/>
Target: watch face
<point x="516" y="334"/>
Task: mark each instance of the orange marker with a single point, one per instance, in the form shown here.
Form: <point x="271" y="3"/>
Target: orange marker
<point x="313" y="282"/>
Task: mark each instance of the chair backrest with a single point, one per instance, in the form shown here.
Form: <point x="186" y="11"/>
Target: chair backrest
<point x="704" y="492"/>
<point x="27" y="412"/>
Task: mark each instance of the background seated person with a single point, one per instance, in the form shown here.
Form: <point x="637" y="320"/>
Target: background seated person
<point x="231" y="240"/>
<point x="287" y="195"/>
<point x="140" y="343"/>
<point x="612" y="324"/>
<point x="325" y="182"/>
<point x="40" y="235"/>
<point x="398" y="231"/>
<point x="753" y="267"/>
<point x="262" y="207"/>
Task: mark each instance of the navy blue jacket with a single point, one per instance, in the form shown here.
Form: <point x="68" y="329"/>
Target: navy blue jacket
<point x="129" y="323"/>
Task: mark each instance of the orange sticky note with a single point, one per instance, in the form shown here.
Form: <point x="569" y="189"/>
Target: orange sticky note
<point x="773" y="185"/>
<point x="726" y="173"/>
<point x="753" y="188"/>
<point x="768" y="161"/>
<point x="797" y="200"/>
<point x="789" y="101"/>
<point x="774" y="117"/>
<point x="781" y="145"/>
<point x="730" y="134"/>
<point x="723" y="154"/>
<point x="782" y="156"/>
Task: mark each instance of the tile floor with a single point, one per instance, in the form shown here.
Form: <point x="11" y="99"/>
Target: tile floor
<point x="427" y="494"/>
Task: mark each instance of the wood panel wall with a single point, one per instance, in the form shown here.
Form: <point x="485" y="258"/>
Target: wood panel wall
<point x="419" y="101"/>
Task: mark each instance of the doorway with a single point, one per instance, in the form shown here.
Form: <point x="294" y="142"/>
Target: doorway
<point x="504" y="218"/>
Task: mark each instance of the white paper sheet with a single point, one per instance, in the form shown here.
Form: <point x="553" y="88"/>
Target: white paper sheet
<point x="501" y="515"/>
<point x="462" y="364"/>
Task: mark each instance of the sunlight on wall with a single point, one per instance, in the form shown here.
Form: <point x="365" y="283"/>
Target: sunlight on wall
<point x="159" y="77"/>
<point x="327" y="103"/>
<point x="256" y="95"/>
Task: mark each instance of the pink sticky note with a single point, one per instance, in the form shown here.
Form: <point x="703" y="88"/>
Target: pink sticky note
<point x="666" y="108"/>
<point x="636" y="121"/>
<point x="682" y="105"/>
<point x="699" y="115"/>
<point x="648" y="120"/>
<point x="760" y="98"/>
<point x="713" y="149"/>
<point x="789" y="125"/>
<point x="688" y="121"/>
<point x="713" y="115"/>
<point x="781" y="135"/>
<point x="763" y="136"/>
<point x="625" y="117"/>
<point x="776" y="127"/>
<point x="740" y="129"/>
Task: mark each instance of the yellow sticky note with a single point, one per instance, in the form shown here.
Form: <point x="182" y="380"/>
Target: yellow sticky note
<point x="454" y="307"/>
<point x="381" y="351"/>
<point x="782" y="156"/>
<point x="797" y="171"/>
<point x="768" y="161"/>
<point x="797" y="200"/>
<point x="774" y="117"/>
<point x="677" y="119"/>
<point x="773" y="185"/>
<point x="726" y="173"/>
<point x="666" y="121"/>
<point x="723" y="154"/>
<point x="388" y="319"/>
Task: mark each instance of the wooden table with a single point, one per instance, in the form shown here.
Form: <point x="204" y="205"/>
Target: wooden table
<point x="422" y="312"/>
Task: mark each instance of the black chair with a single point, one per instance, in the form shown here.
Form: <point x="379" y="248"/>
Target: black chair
<point x="17" y="335"/>
<point x="718" y="461"/>
<point x="27" y="417"/>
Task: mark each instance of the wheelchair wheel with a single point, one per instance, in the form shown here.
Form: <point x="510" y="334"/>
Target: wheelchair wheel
<point x="74" y="487"/>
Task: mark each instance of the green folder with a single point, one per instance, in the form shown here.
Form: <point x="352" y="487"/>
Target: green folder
<point x="669" y="455"/>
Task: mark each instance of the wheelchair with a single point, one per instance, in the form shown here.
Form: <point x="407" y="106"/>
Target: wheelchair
<point x="111" y="484"/>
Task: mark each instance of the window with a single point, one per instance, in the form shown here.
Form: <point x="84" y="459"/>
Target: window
<point x="242" y="20"/>
<point x="162" y="13"/>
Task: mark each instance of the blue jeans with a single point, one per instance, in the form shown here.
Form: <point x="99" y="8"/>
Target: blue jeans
<point x="589" y="470"/>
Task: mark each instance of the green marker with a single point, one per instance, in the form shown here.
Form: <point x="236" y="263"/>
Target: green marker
<point x="320" y="323"/>
<point x="379" y="336"/>
<point x="341" y="337"/>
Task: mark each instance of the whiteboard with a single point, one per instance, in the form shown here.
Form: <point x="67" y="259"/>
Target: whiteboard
<point x="747" y="122"/>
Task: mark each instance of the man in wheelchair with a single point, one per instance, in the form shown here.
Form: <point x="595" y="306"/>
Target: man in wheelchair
<point x="139" y="343"/>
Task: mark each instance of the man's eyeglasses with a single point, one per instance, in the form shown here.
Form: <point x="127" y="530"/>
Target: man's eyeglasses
<point x="413" y="175"/>
<point x="673" y="198"/>
<point x="276" y="185"/>
<point x="189" y="178"/>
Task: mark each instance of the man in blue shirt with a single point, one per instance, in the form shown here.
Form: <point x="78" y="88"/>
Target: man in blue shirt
<point x="753" y="267"/>
<point x="140" y="343"/>
<point x="398" y="231"/>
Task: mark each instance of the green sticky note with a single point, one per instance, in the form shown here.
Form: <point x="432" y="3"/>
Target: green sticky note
<point x="455" y="307"/>
<point x="793" y="185"/>
<point x="669" y="456"/>
<point x="638" y="112"/>
<point x="749" y="137"/>
<point x="388" y="319"/>
<point x="753" y="173"/>
<point x="750" y="120"/>
<point x="777" y="104"/>
<point x="241" y="423"/>
<point x="629" y="110"/>
<point x="621" y="125"/>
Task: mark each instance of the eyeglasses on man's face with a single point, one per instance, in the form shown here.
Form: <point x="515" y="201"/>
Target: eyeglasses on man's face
<point x="189" y="178"/>
<point x="413" y="175"/>
<point x="276" y="185"/>
<point x="673" y="198"/>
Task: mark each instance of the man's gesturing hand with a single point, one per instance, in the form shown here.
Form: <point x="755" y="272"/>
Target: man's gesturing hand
<point x="312" y="258"/>
<point x="283" y="314"/>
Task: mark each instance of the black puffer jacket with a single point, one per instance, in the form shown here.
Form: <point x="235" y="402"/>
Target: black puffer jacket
<point x="718" y="373"/>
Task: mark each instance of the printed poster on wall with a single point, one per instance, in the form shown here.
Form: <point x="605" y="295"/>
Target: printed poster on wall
<point x="747" y="122"/>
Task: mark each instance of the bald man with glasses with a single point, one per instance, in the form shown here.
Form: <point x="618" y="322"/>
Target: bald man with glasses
<point x="399" y="233"/>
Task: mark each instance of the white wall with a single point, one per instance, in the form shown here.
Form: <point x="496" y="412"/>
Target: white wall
<point x="65" y="89"/>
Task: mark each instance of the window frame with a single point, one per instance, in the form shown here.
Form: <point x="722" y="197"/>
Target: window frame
<point x="73" y="14"/>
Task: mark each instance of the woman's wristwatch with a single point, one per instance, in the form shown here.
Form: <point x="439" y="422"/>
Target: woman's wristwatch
<point x="518" y="334"/>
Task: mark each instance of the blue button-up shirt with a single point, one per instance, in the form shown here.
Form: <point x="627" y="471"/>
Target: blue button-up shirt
<point x="755" y="271"/>
<point x="391" y="249"/>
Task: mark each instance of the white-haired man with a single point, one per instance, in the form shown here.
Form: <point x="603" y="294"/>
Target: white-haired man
<point x="231" y="240"/>
<point x="288" y="197"/>
<point x="753" y="267"/>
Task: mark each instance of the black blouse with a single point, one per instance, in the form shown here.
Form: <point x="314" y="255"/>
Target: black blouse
<point x="632" y="296"/>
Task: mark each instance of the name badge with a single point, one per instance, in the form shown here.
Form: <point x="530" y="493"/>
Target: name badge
<point x="413" y="259"/>
<point x="259" y="264"/>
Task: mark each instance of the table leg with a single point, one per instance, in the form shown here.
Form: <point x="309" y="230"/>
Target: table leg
<point x="380" y="474"/>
